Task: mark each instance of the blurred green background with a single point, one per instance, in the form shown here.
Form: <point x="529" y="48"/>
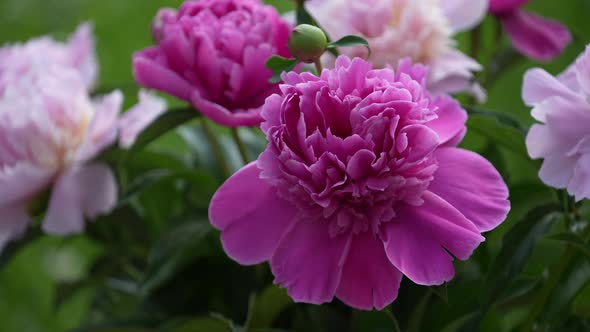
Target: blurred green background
<point x="27" y="283"/>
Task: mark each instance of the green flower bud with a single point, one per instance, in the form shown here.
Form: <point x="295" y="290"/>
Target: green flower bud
<point x="307" y="43"/>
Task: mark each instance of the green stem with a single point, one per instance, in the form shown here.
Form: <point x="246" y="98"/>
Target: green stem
<point x="476" y="42"/>
<point x="241" y="146"/>
<point x="216" y="147"/>
<point x="318" y="66"/>
<point x="555" y="275"/>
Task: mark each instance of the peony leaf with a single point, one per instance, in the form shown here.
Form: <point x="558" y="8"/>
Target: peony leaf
<point x="374" y="321"/>
<point x="266" y="306"/>
<point x="573" y="240"/>
<point x="350" y="40"/>
<point x="278" y="65"/>
<point x="205" y="324"/>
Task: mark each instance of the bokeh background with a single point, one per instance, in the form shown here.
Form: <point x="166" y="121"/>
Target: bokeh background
<point x="30" y="299"/>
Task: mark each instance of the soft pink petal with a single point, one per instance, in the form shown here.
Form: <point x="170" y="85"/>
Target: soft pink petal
<point x="153" y="75"/>
<point x="139" y="117"/>
<point x="583" y="71"/>
<point x="534" y="36"/>
<point x="225" y="117"/>
<point x="14" y="220"/>
<point x="453" y="72"/>
<point x="464" y="14"/>
<point x="417" y="239"/>
<point x="369" y="280"/>
<point x="450" y="125"/>
<point x="102" y="130"/>
<point x="251" y="216"/>
<point x="82" y="51"/>
<point x="539" y="85"/>
<point x="580" y="184"/>
<point x="480" y="195"/>
<point x="308" y="261"/>
<point x="22" y="181"/>
<point x="79" y="192"/>
<point x="557" y="170"/>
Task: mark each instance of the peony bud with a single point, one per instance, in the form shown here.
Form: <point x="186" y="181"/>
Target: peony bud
<point x="307" y="43"/>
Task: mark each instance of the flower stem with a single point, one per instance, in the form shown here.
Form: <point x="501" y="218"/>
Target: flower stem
<point x="240" y="144"/>
<point x="216" y="147"/>
<point x="476" y="42"/>
<point x="318" y="66"/>
<point x="555" y="275"/>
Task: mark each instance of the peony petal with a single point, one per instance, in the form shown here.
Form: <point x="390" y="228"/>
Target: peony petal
<point x="251" y="216"/>
<point x="14" y="220"/>
<point x="102" y="131"/>
<point x="139" y="117"/>
<point x="369" y="280"/>
<point x="583" y="71"/>
<point x="539" y="85"/>
<point x="480" y="195"/>
<point x="579" y="185"/>
<point x="22" y="181"/>
<point x="536" y="37"/>
<point x="450" y="125"/>
<point x="464" y="14"/>
<point x="82" y="51"/>
<point x="78" y="192"/>
<point x="153" y="75"/>
<point x="557" y="170"/>
<point x="308" y="261"/>
<point x="225" y="117"/>
<point x="417" y="239"/>
<point x="499" y="6"/>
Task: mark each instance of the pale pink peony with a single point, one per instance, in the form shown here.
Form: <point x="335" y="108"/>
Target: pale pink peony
<point x="422" y="30"/>
<point x="212" y="53"/>
<point x="535" y="37"/>
<point x="140" y="116"/>
<point x="562" y="105"/>
<point x="77" y="53"/>
<point x="360" y="184"/>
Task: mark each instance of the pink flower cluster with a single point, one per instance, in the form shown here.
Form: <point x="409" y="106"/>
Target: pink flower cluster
<point x="212" y="53"/>
<point x="51" y="129"/>
<point x="361" y="184"/>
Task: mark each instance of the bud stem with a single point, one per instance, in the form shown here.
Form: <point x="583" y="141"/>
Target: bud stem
<point x="318" y="66"/>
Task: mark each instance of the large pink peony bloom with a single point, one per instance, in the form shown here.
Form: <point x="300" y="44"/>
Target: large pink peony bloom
<point x="535" y="37"/>
<point x="78" y="53"/>
<point x="421" y="30"/>
<point x="562" y="105"/>
<point x="212" y="53"/>
<point x="360" y="184"/>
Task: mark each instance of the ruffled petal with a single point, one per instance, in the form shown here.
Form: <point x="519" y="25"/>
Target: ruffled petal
<point x="450" y="125"/>
<point x="88" y="191"/>
<point x="536" y="37"/>
<point x="480" y="195"/>
<point x="83" y="54"/>
<point x="225" y="117"/>
<point x="583" y="71"/>
<point x="464" y="14"/>
<point x="22" y="181"/>
<point x="417" y="240"/>
<point x="369" y="280"/>
<point x="154" y="75"/>
<point x="539" y="85"/>
<point x="308" y="261"/>
<point x="251" y="216"/>
<point x="557" y="170"/>
<point x="139" y="117"/>
<point x="580" y="184"/>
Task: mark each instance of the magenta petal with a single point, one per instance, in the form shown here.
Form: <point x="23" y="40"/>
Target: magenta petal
<point x="369" y="280"/>
<point x="534" y="36"/>
<point x="308" y="262"/>
<point x="500" y="6"/>
<point x="225" y="117"/>
<point x="78" y="192"/>
<point x="14" y="220"/>
<point x="417" y="239"/>
<point x="450" y="125"/>
<point x="480" y="195"/>
<point x="155" y="76"/>
<point x="250" y="215"/>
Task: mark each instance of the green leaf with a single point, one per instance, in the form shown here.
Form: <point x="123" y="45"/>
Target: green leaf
<point x="13" y="247"/>
<point x="573" y="240"/>
<point x="266" y="306"/>
<point x="164" y="123"/>
<point x="374" y="321"/>
<point x="350" y="40"/>
<point x="518" y="244"/>
<point x="206" y="324"/>
<point x="278" y="65"/>
<point x="303" y="16"/>
<point x="496" y="127"/>
<point x="175" y="249"/>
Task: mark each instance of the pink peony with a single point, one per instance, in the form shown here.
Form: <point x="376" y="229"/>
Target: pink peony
<point x="140" y="116"/>
<point x="535" y="37"/>
<point x="361" y="183"/>
<point x="562" y="105"/>
<point x="78" y="53"/>
<point x="421" y="30"/>
<point x="212" y="53"/>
